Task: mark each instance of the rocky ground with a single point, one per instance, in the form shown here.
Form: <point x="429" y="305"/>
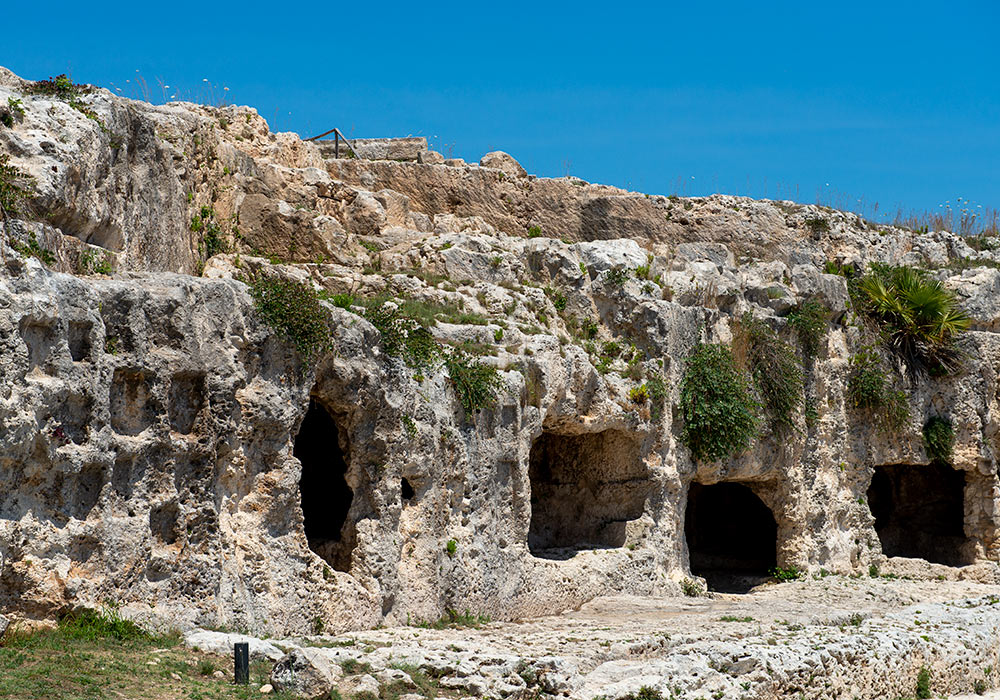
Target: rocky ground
<point x="825" y="637"/>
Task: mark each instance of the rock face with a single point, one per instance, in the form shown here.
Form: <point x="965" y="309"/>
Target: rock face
<point x="162" y="446"/>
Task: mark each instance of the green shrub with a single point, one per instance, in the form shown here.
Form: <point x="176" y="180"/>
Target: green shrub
<point x="716" y="404"/>
<point x="451" y="547"/>
<point x="294" y="310"/>
<point x="809" y="320"/>
<point x="638" y="394"/>
<point x="869" y="388"/>
<point x="776" y="371"/>
<point x="476" y="384"/>
<point x="923" y="683"/>
<point x="557" y="297"/>
<point x="343" y="301"/>
<point x="402" y="336"/>
<point x="93" y="263"/>
<point x="212" y="240"/>
<point x="534" y="231"/>
<point x="33" y="249"/>
<point x="14" y="188"/>
<point x="817" y="225"/>
<point x="616" y="276"/>
<point x="918" y="319"/>
<point x="939" y="439"/>
<point x="656" y="389"/>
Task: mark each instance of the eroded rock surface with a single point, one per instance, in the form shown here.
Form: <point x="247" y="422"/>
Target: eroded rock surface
<point x="163" y="447"/>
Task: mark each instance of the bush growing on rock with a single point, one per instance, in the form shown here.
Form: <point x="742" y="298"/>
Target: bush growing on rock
<point x="476" y="384"/>
<point x="869" y="388"/>
<point x="14" y="188"/>
<point x="808" y="320"/>
<point x="293" y="309"/>
<point x="717" y="406"/>
<point x="916" y="317"/>
<point x="776" y="371"/>
<point x="939" y="439"/>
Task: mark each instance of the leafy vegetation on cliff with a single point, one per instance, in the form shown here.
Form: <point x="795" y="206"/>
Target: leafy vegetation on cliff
<point x="869" y="387"/>
<point x="717" y="404"/>
<point x="939" y="439"/>
<point x="293" y="309"/>
<point x="775" y="369"/>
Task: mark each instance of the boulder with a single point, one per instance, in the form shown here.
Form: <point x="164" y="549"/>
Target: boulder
<point x="504" y="162"/>
<point x="307" y="672"/>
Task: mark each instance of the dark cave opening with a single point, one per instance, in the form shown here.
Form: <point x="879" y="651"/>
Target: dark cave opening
<point x="585" y="489"/>
<point x="731" y="536"/>
<point x="326" y="496"/>
<point x="919" y="512"/>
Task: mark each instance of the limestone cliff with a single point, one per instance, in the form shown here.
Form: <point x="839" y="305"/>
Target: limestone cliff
<point x="161" y="446"/>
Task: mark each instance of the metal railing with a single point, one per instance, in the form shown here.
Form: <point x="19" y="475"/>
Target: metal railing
<point x="337" y="137"/>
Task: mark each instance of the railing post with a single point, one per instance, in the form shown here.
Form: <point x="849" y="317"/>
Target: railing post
<point x="241" y="663"/>
<point x="336" y="144"/>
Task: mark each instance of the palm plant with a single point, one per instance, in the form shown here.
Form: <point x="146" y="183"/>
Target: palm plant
<point x="917" y="318"/>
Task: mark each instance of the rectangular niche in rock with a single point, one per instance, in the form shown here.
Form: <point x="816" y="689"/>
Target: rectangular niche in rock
<point x="731" y="536"/>
<point x="326" y="496"/>
<point x="585" y="489"/>
<point x="919" y="512"/>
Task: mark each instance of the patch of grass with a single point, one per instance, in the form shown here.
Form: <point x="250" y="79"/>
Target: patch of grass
<point x="809" y="321"/>
<point x="869" y="387"/>
<point x="716" y="404"/>
<point x="534" y="231"/>
<point x="656" y="389"/>
<point x="557" y="297"/>
<point x="294" y="310"/>
<point x="733" y="618"/>
<point x="917" y="319"/>
<point x="939" y="439"/>
<point x="644" y="693"/>
<point x="785" y="574"/>
<point x="476" y="384"/>
<point x="776" y="371"/>
<point x="454" y="619"/>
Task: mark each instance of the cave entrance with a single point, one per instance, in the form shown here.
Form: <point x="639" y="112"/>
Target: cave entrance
<point x="731" y="536"/>
<point x="919" y="512"/>
<point x="585" y="489"/>
<point x="326" y="497"/>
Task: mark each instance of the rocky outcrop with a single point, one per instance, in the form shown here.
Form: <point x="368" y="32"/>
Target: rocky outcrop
<point x="164" y="447"/>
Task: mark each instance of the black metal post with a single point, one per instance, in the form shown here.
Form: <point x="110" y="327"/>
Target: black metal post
<point x="336" y="144"/>
<point x="241" y="662"/>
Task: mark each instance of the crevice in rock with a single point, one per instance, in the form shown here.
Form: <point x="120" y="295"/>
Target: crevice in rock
<point x="39" y="337"/>
<point x="79" y="340"/>
<point x="326" y="496"/>
<point x="919" y="512"/>
<point x="585" y="489"/>
<point x="131" y="407"/>
<point x="187" y="397"/>
<point x="731" y="536"/>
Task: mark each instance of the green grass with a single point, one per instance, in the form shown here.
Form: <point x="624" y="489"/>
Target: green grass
<point x="94" y="656"/>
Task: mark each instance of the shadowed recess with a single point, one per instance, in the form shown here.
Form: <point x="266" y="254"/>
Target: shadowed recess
<point x="920" y="511"/>
<point x="731" y="536"/>
<point x="326" y="497"/>
<point x="585" y="489"/>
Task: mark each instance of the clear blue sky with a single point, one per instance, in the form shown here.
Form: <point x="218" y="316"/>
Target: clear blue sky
<point x="896" y="102"/>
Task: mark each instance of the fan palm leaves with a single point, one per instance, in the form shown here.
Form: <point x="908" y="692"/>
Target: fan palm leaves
<point x="917" y="317"/>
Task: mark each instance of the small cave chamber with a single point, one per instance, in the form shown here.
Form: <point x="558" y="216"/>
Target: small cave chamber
<point x="585" y="489"/>
<point x="919" y="512"/>
<point x="731" y="536"/>
<point x="321" y="446"/>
